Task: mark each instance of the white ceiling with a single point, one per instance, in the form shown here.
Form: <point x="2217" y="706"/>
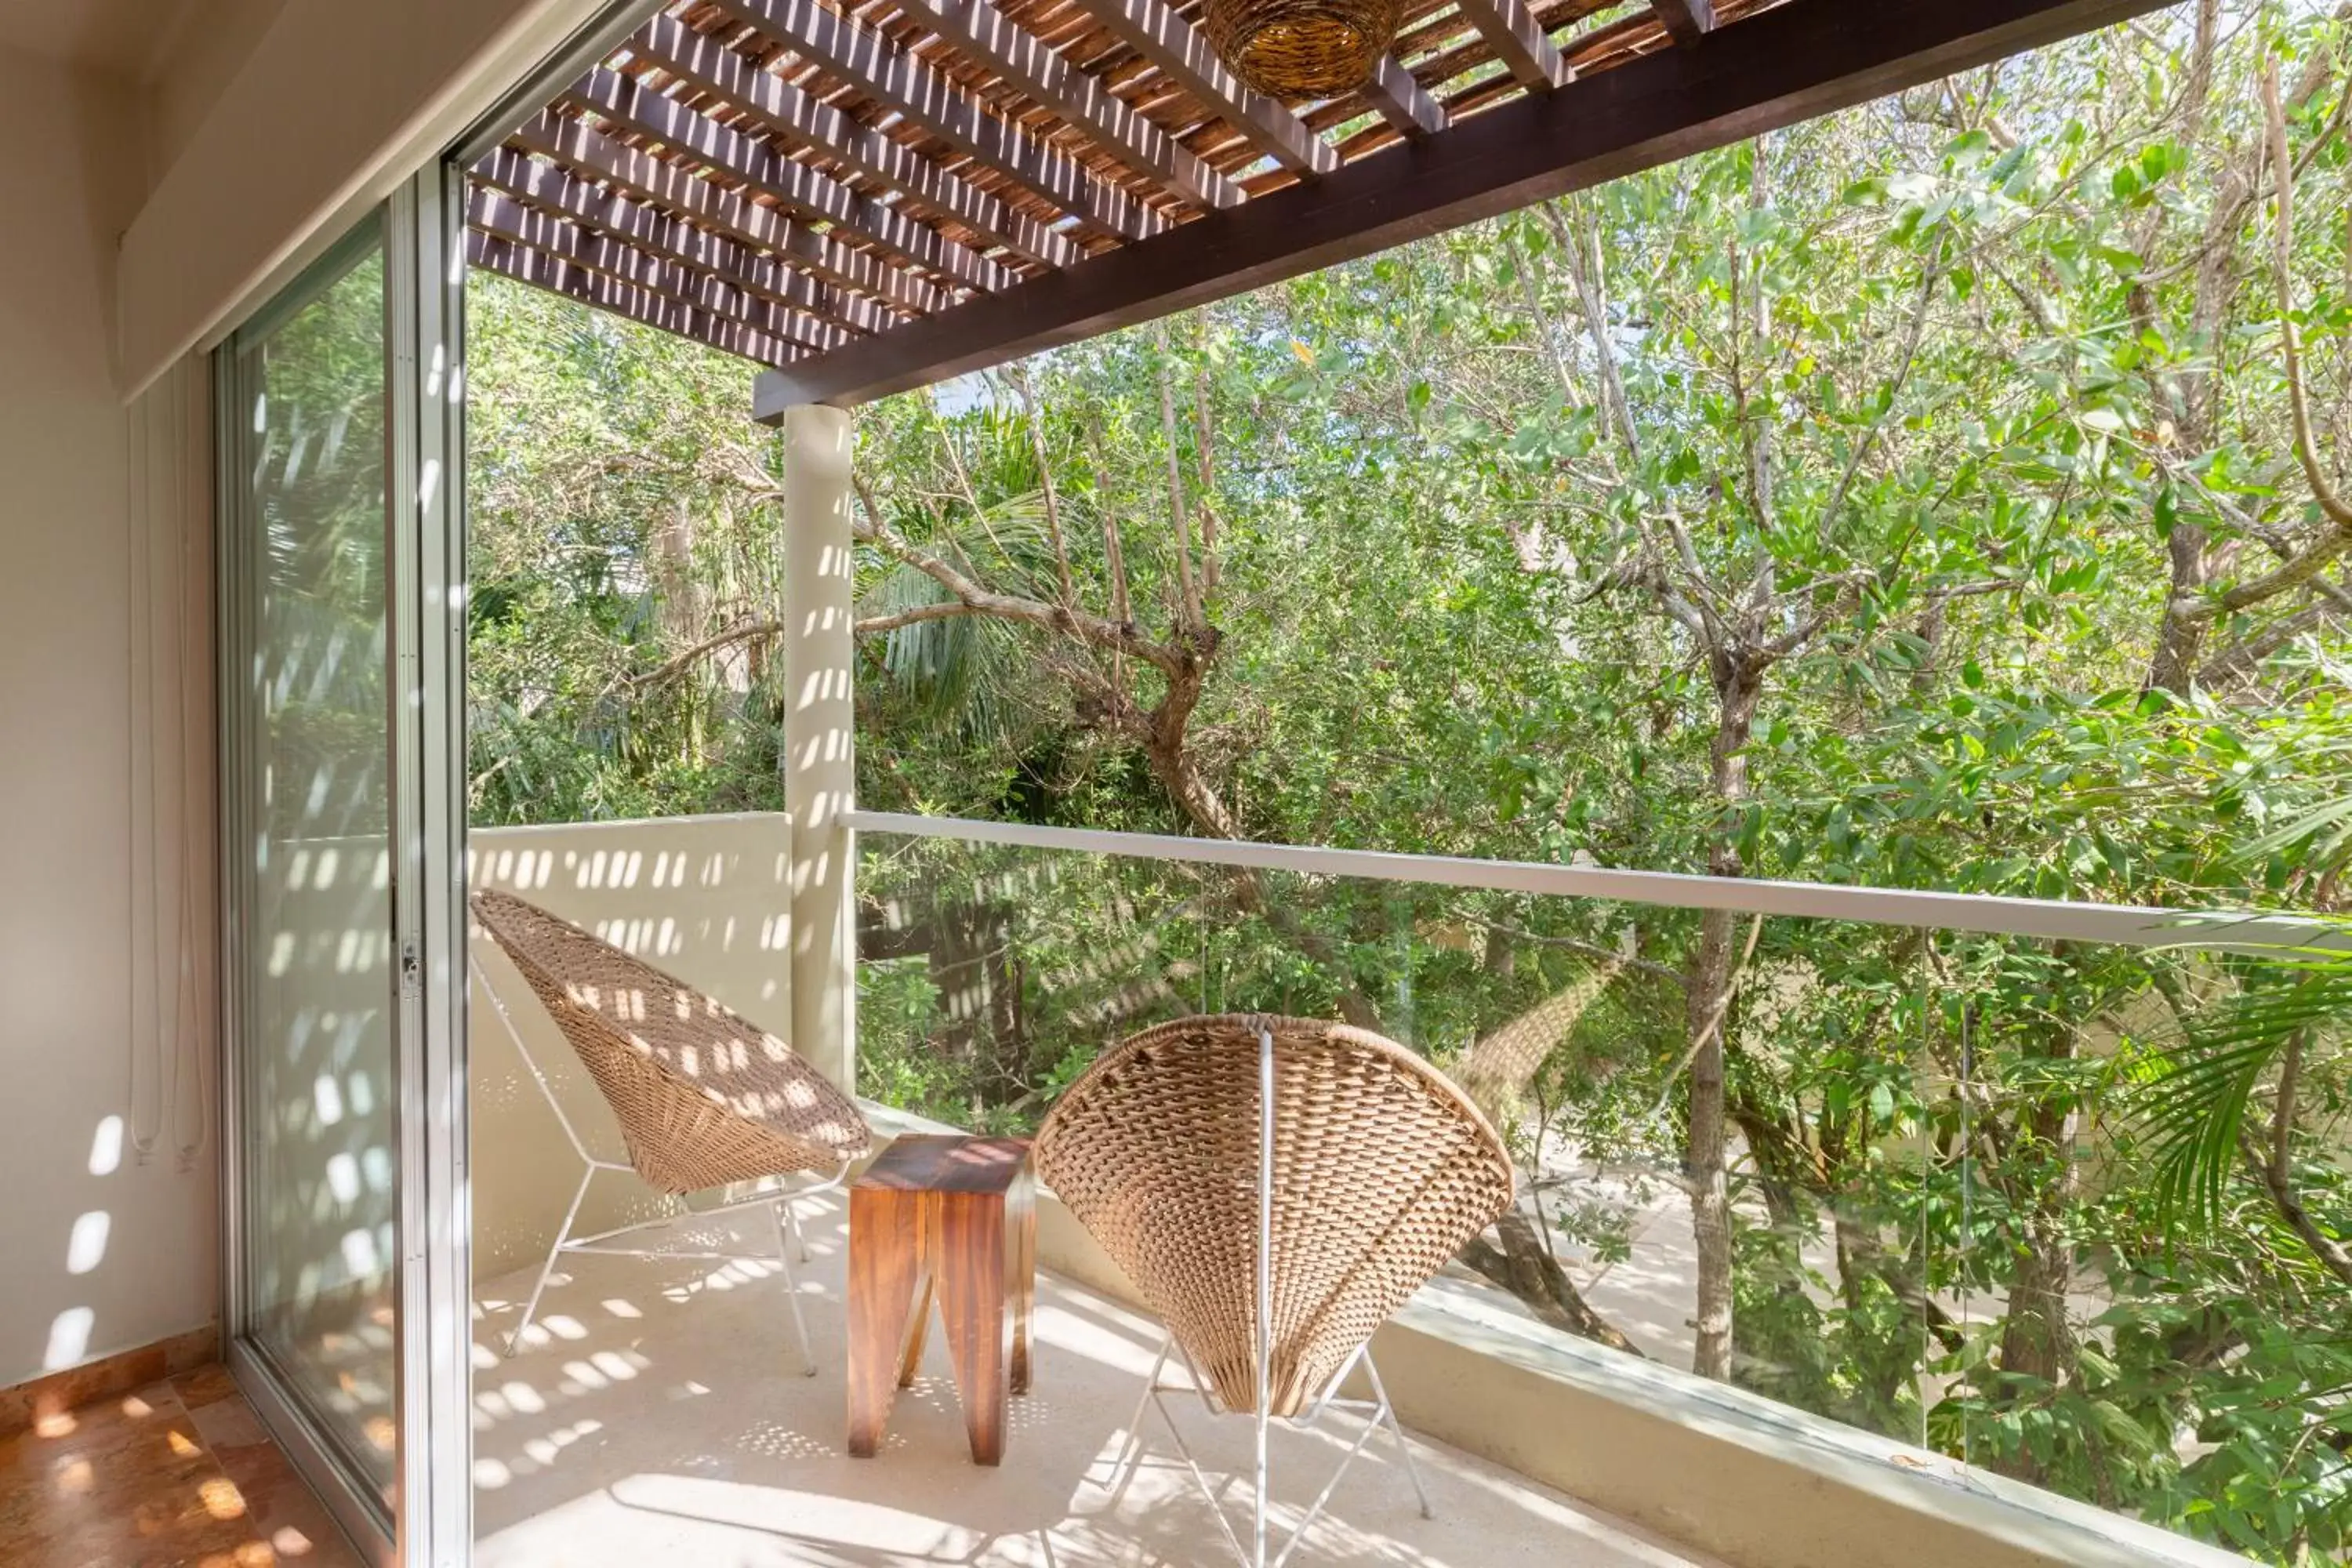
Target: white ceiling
<point x="133" y="39"/>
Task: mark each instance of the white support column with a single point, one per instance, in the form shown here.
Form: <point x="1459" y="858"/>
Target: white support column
<point x="820" y="736"/>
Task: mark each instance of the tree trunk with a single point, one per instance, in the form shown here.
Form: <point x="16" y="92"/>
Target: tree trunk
<point x="1525" y="1267"/>
<point x="679" y="601"/>
<point x="970" y="967"/>
<point x="2036" y="1341"/>
<point x="2180" y="635"/>
<point x="1712" y="972"/>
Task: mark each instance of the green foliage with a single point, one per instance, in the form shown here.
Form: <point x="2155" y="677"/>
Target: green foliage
<point x="1896" y="501"/>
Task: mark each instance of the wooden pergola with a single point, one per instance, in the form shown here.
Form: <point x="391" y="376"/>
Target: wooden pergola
<point x="864" y="197"/>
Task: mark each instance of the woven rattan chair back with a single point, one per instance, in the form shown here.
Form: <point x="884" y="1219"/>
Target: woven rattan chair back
<point x="703" y="1097"/>
<point x="1381" y="1171"/>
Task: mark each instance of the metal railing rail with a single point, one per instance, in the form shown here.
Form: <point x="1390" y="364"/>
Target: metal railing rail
<point x="2128" y="925"/>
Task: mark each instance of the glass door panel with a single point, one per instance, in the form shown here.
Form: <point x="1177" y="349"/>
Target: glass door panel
<point x="309" y="794"/>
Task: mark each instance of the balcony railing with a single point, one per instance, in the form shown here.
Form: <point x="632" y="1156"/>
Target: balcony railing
<point x="1930" y="1097"/>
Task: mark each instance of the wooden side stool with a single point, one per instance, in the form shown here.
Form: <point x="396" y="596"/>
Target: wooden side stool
<point x="956" y="1218"/>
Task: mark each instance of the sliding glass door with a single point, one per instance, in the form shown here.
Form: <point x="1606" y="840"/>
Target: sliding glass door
<point x="307" y="388"/>
<point x="346" y="1211"/>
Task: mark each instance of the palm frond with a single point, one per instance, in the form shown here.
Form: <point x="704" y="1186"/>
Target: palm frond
<point x="2325" y="831"/>
<point x="2192" y="1107"/>
<point x="966" y="670"/>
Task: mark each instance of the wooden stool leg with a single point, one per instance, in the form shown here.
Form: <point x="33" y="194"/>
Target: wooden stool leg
<point x="919" y="1328"/>
<point x="885" y="1255"/>
<point x="1023" y="1284"/>
<point x="969" y="1265"/>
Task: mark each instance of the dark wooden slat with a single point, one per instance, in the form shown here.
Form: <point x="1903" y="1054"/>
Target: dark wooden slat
<point x="645" y="178"/>
<point x="1155" y="31"/>
<point x="639" y="305"/>
<point x="1523" y="46"/>
<point x="928" y="98"/>
<point x="1401" y="101"/>
<point x="648" y="178"/>
<point x="802" y="119"/>
<point x="980" y="31"/>
<point x="1688" y="20"/>
<point x="502" y="218"/>
<point x="552" y="189"/>
<point x="1794" y="62"/>
<point x="619" y="100"/>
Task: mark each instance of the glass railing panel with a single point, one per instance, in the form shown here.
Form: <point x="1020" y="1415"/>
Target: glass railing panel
<point x="2151" y="1295"/>
<point x="1962" y="1211"/>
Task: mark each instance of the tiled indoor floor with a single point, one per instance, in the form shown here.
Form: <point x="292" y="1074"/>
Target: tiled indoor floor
<point x="178" y="1475"/>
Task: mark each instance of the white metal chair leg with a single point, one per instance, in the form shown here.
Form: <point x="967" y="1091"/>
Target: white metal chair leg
<point x="1265" y="1279"/>
<point x="563" y="1236"/>
<point x="1378" y="1414"/>
<point x="793" y="1226"/>
<point x="1404" y="1444"/>
<point x="1315" y="1509"/>
<point x="778" y="1214"/>
<point x="1200" y="1478"/>
<point x="790" y="1236"/>
<point x="1131" y="1435"/>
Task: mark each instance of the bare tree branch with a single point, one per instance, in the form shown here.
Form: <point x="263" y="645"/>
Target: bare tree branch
<point x="1582" y="251"/>
<point x="1108" y="635"/>
<point x="2275" y="1167"/>
<point x="1045" y="483"/>
<point x="1178" y="512"/>
<point x="1204" y="436"/>
<point x="2242" y="660"/>
<point x="2290" y="342"/>
<point x="1650" y="967"/>
<point x="1927" y="281"/>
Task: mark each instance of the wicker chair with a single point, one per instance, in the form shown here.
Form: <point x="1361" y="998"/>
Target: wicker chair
<point x="704" y="1099"/>
<point x="1273" y="1232"/>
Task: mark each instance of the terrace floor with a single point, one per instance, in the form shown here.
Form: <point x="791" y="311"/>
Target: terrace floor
<point x="655" y="1414"/>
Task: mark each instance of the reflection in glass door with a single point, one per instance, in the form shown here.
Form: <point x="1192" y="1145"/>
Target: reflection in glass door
<point x="306" y="388"/>
<point x="340" y="405"/>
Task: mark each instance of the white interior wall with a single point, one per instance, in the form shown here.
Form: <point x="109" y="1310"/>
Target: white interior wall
<point x="333" y="107"/>
<point x="201" y="58"/>
<point x="171" y="190"/>
<point x="98" y="1250"/>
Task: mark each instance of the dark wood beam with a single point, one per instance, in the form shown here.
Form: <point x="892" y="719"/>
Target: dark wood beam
<point x="980" y="32"/>
<point x="1155" y="31"/>
<point x="1688" y="20"/>
<point x="802" y="119"/>
<point x="1401" y="101"/>
<point x="648" y="178"/>
<point x="622" y="101"/>
<point x="1794" y="62"/>
<point x="892" y="76"/>
<point x="553" y="189"/>
<point x="501" y="216"/>
<point x="1523" y="46"/>
<point x="640" y="305"/>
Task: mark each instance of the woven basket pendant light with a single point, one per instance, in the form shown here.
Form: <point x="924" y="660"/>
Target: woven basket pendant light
<point x="1302" y="49"/>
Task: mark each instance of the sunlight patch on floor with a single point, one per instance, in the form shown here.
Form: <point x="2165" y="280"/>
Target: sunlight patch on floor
<point x="661" y="1417"/>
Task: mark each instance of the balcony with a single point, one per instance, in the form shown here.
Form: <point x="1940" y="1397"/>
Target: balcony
<point x="654" y="1411"/>
<point x="655" y="1414"/>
